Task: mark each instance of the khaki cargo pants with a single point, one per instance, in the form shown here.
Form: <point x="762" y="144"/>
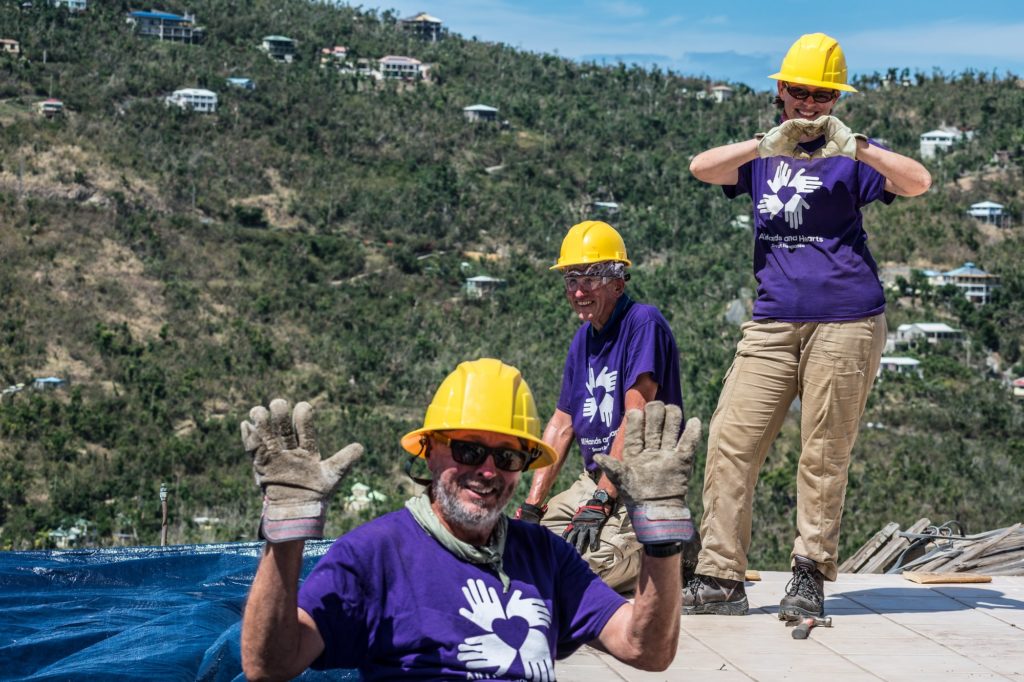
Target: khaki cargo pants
<point x="831" y="367"/>
<point x="617" y="560"/>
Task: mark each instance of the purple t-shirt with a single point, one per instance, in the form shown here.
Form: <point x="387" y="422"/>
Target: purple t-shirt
<point x="811" y="257"/>
<point x="601" y="366"/>
<point x="390" y="600"/>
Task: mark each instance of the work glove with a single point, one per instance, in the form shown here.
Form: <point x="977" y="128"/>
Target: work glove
<point x="782" y="140"/>
<point x="839" y="139"/>
<point x="654" y="474"/>
<point x="584" y="531"/>
<point x="297" y="485"/>
<point x="530" y="513"/>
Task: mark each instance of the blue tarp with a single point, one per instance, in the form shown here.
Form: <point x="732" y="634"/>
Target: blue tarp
<point x="130" y="613"/>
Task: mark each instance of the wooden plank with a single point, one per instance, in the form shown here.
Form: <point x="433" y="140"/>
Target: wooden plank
<point x="993" y="558"/>
<point x="939" y="578"/>
<point x="868" y="549"/>
<point x="887" y="555"/>
<point x="981" y="547"/>
<point x="1011" y="567"/>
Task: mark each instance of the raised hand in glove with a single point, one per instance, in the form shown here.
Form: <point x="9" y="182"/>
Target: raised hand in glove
<point x="839" y="139"/>
<point x="782" y="140"/>
<point x="296" y="484"/>
<point x="584" y="531"/>
<point x="654" y="474"/>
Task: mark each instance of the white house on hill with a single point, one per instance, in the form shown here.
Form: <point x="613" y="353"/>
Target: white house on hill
<point x="987" y="212"/>
<point x="480" y="112"/>
<point x="942" y="138"/>
<point x="976" y="284"/>
<point x="195" y="99"/>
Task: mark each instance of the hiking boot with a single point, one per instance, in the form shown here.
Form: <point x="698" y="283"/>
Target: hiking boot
<point x="717" y="596"/>
<point x="805" y="592"/>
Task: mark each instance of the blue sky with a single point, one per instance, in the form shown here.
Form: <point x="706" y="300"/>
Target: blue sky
<point x="744" y="41"/>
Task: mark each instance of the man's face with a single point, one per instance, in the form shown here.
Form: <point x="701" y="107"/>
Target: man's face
<point x="471" y="497"/>
<point x="798" y="101"/>
<point x="593" y="298"/>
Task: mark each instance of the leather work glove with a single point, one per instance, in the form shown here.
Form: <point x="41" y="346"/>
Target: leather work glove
<point x="839" y="139"/>
<point x="530" y="513"/>
<point x="654" y="474"/>
<point x="296" y="484"/>
<point x="584" y="531"/>
<point x="782" y="140"/>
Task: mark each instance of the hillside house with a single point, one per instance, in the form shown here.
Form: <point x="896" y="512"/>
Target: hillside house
<point x="279" y="48"/>
<point x="70" y="537"/>
<point x="403" y="68"/>
<point x="605" y="207"/>
<point x="480" y="112"/>
<point x="721" y="93"/>
<point x="362" y="497"/>
<point x="50" y="108"/>
<point x="423" y="26"/>
<point x="9" y="46"/>
<point x="976" y="284"/>
<point x="333" y="56"/>
<point x="942" y="138"/>
<point x="988" y="212"/>
<point x="1018" y="388"/>
<point x="366" y="68"/>
<point x="241" y="82"/>
<point x="166" y="26"/>
<point x="193" y="99"/>
<point x="71" y="5"/>
<point x="900" y="365"/>
<point x="48" y="383"/>
<point x="932" y="332"/>
<point x="482" y="286"/>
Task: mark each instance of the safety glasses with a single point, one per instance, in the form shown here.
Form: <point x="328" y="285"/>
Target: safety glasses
<point x="474" y="454"/>
<point x="819" y="96"/>
<point x="573" y="283"/>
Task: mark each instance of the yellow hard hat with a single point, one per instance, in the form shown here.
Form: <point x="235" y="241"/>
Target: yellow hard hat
<point x="484" y="395"/>
<point x="591" y="241"/>
<point x="815" y="59"/>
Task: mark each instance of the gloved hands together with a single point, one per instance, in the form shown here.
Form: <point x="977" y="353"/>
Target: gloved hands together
<point x="654" y="474"/>
<point x="839" y="139"/>
<point x="296" y="484"/>
<point x="782" y="140"/>
<point x="584" y="531"/>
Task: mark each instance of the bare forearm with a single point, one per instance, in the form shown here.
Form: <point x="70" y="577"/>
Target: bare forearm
<point x="559" y="435"/>
<point x="905" y="176"/>
<point x="720" y="165"/>
<point x="645" y="634"/>
<point x="271" y="640"/>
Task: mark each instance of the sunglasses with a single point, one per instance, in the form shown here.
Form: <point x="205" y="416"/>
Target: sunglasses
<point x="819" y="96"/>
<point x="583" y="283"/>
<point x="474" y="454"/>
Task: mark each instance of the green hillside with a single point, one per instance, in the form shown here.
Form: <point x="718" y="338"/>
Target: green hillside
<point x="311" y="239"/>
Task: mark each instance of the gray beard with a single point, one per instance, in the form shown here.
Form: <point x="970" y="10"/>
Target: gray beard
<point x="458" y="514"/>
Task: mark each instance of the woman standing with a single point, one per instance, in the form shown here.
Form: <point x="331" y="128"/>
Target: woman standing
<point x="818" y="325"/>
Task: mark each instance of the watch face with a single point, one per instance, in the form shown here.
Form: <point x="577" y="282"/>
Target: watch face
<point x="602" y="495"/>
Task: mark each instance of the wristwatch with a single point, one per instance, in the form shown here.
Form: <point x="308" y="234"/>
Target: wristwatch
<point x="602" y="496"/>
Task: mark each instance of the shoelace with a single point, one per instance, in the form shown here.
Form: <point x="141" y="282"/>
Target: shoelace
<point x="803" y="584"/>
<point x="697" y="582"/>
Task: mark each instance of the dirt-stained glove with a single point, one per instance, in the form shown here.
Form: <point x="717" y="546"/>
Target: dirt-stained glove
<point x="584" y="531"/>
<point x="654" y="474"/>
<point x="531" y="513"/>
<point x="297" y="485"/>
<point x="782" y="140"/>
<point x="839" y="139"/>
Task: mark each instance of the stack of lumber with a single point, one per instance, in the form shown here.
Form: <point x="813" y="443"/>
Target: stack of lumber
<point x="925" y="548"/>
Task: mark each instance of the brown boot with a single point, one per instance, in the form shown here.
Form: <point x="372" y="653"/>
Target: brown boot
<point x="805" y="593"/>
<point x="718" y="596"/>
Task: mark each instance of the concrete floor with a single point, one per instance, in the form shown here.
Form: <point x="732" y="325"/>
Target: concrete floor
<point x="884" y="628"/>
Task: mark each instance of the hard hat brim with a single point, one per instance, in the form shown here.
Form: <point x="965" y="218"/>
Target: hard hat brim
<point x="799" y="80"/>
<point x="411" y="442"/>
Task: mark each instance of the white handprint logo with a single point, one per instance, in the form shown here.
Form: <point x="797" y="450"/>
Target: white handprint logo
<point x="792" y="209"/>
<point x="491" y="651"/>
<point x="606" y="380"/>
